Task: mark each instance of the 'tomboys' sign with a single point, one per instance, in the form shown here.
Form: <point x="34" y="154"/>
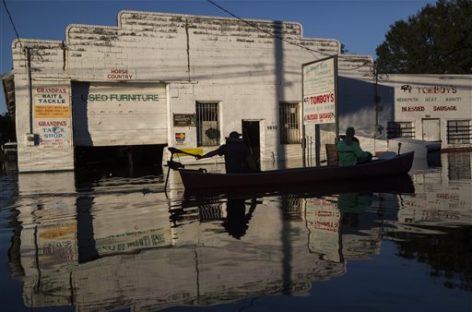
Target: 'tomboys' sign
<point x="319" y="91"/>
<point x="426" y="99"/>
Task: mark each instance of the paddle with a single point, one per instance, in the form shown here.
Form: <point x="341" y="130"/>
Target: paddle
<point x="175" y="165"/>
<point x="174" y="150"/>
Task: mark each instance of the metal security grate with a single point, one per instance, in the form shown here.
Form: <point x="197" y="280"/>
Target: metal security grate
<point x="458" y="131"/>
<point x="208" y="126"/>
<point x="289" y="123"/>
<point x="400" y="130"/>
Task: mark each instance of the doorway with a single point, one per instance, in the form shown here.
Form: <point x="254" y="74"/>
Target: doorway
<point x="431" y="129"/>
<point x="251" y="137"/>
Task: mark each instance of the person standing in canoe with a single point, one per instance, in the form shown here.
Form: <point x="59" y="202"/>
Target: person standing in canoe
<point x="349" y="150"/>
<point x="238" y="159"/>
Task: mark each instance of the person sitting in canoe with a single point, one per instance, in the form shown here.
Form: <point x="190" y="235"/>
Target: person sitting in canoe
<point x="238" y="159"/>
<point x="349" y="150"/>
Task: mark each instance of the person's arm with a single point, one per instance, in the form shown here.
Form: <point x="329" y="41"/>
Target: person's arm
<point x="358" y="151"/>
<point x="210" y="154"/>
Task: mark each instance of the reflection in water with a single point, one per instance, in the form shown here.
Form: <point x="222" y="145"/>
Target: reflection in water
<point x="237" y="220"/>
<point x="113" y="243"/>
<point x="459" y="166"/>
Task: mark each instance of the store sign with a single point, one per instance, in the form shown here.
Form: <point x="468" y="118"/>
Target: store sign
<point x="184" y="120"/>
<point x="319" y="91"/>
<point x="429" y="99"/>
<point x="119" y="74"/>
<point x="113" y="97"/>
<point x="53" y="132"/>
<point x="125" y="94"/>
<point x="51" y="102"/>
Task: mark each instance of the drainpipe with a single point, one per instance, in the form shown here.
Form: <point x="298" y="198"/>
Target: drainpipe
<point x="30" y="84"/>
<point x="376" y="103"/>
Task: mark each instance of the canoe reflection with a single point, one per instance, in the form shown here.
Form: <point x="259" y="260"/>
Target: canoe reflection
<point x="397" y="184"/>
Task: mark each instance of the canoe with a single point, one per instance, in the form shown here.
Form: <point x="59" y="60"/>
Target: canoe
<point x="200" y="179"/>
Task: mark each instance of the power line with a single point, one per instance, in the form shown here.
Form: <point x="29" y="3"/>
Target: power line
<point x="12" y="23"/>
<point x="262" y="30"/>
<point x="274" y="35"/>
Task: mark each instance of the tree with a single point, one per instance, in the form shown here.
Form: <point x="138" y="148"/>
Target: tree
<point x="437" y="40"/>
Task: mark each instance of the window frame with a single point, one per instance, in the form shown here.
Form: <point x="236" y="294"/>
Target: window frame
<point x="211" y="116"/>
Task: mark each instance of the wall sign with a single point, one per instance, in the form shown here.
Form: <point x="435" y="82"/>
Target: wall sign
<point x="53" y="132"/>
<point x="179" y="137"/>
<point x="427" y="99"/>
<point x="119" y="74"/>
<point x="51" y="102"/>
<point x="184" y="120"/>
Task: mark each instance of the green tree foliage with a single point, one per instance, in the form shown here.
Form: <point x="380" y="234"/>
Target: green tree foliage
<point x="437" y="40"/>
<point x="7" y="129"/>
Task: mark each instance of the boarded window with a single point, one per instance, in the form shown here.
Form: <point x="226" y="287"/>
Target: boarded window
<point x="458" y="131"/>
<point x="208" y="126"/>
<point x="289" y="115"/>
<point x="397" y="129"/>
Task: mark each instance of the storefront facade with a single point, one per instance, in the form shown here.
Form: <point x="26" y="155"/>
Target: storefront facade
<point x="435" y="108"/>
<point x="166" y="79"/>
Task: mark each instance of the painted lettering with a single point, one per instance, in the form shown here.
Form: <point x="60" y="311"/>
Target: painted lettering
<point x="320" y="99"/>
<point x="124" y="97"/>
<point x="437" y="89"/>
<point x="326" y="115"/>
<point x="311" y="117"/>
<point x="407" y="99"/>
<point x="120" y="76"/>
<point x="52" y="123"/>
<point x="51" y="90"/>
<point x="412" y="108"/>
<point x="444" y="108"/>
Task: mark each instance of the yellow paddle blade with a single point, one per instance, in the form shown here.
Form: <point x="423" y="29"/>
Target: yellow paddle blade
<point x="190" y="150"/>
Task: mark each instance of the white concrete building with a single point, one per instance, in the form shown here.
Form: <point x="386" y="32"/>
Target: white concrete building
<point x="178" y="80"/>
<point x="436" y="108"/>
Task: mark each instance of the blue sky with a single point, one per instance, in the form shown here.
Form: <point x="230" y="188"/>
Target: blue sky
<point x="360" y="24"/>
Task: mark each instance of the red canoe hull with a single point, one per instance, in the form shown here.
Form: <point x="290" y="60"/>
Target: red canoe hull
<point x="196" y="179"/>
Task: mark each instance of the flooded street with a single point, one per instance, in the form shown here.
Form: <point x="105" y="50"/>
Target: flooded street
<point x="111" y="242"/>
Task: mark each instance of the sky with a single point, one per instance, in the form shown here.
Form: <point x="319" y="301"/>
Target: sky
<point x="360" y="25"/>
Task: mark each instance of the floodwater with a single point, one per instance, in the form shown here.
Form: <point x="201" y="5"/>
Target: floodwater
<point x="108" y="242"/>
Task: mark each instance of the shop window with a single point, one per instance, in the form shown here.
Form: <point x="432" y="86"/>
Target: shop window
<point x="208" y="125"/>
<point x="397" y="129"/>
<point x="289" y="120"/>
<point x="458" y="131"/>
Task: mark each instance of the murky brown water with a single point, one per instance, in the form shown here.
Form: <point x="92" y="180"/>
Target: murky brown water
<point x="111" y="243"/>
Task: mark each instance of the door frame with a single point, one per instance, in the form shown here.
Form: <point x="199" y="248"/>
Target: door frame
<point x="423" y="128"/>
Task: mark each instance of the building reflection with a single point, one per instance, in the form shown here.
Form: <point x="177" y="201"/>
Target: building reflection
<point x="442" y="197"/>
<point x="123" y="244"/>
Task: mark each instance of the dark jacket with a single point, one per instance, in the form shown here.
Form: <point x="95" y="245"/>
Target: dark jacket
<point x="236" y="156"/>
